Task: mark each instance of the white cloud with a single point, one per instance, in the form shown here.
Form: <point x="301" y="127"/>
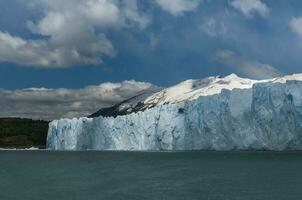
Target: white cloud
<point x="178" y="7"/>
<point x="251" y="69"/>
<point x="214" y="28"/>
<point x="42" y="103"/>
<point x="132" y="13"/>
<point x="42" y="53"/>
<point x="250" y="7"/>
<point x="73" y="32"/>
<point x="296" y="25"/>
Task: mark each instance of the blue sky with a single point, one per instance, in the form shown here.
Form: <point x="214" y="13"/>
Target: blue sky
<point x="78" y="43"/>
<point x="166" y="47"/>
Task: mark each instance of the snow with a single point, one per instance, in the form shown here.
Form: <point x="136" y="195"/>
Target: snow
<point x="284" y="79"/>
<point x="193" y="89"/>
<point x="206" y="114"/>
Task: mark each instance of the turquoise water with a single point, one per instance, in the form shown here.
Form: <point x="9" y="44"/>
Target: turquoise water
<point x="43" y="175"/>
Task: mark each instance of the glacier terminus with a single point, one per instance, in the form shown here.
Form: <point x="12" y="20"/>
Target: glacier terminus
<point x="214" y="113"/>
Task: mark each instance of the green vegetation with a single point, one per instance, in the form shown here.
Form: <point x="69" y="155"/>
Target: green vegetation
<point x="22" y="133"/>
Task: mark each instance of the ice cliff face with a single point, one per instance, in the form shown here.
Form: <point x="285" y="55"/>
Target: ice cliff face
<point x="208" y="114"/>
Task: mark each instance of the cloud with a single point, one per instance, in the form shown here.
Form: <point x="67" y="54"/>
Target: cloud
<point x="296" y="25"/>
<point x="41" y="54"/>
<point x="214" y="28"/>
<point x="48" y="104"/>
<point x="72" y="32"/>
<point x="178" y="7"/>
<point x="251" y="69"/>
<point x="251" y="7"/>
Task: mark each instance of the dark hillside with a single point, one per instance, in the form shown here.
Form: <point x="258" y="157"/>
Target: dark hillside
<point x="22" y="133"/>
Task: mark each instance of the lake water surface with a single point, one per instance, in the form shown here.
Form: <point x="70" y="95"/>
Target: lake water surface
<point x="45" y="175"/>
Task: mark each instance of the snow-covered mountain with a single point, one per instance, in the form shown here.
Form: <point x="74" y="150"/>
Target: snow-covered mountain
<point x="213" y="113"/>
<point x="185" y="91"/>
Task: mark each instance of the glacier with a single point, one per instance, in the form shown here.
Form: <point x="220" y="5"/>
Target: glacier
<point x="215" y="113"/>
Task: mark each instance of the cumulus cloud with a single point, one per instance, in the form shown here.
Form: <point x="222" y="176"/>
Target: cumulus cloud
<point x="178" y="7"/>
<point x="296" y="25"/>
<point x="41" y="53"/>
<point x="48" y="104"/>
<point x="251" y="7"/>
<point x="251" y="69"/>
<point x="72" y="32"/>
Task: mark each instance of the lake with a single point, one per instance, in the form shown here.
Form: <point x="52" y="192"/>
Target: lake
<point x="47" y="175"/>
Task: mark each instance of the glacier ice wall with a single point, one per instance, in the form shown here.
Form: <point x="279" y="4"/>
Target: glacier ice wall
<point x="266" y="116"/>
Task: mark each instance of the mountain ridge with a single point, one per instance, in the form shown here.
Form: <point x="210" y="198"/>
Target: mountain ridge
<point x="186" y="90"/>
